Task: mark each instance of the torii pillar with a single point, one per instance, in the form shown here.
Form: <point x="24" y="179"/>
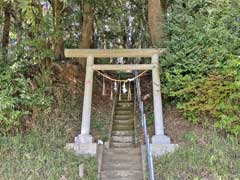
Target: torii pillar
<point x="159" y="137"/>
<point x="85" y="137"/>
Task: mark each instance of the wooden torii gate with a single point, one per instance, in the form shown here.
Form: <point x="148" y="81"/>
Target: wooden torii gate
<point x="90" y="54"/>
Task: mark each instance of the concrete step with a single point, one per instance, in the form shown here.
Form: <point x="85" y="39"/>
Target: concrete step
<point x="125" y="103"/>
<point x="127" y="119"/>
<point x="123" y="117"/>
<point x="122" y="133"/>
<point x="128" y="151"/>
<point x="137" y="175"/>
<point x="122" y="158"/>
<point x="123" y="112"/>
<point x="120" y="127"/>
<point x="126" y="106"/>
<point x="123" y="121"/>
<point x="119" y="108"/>
<point x="132" y="166"/>
<point x="124" y="150"/>
<point x="122" y="139"/>
<point x="121" y="145"/>
<point x="125" y="100"/>
<point x="120" y="179"/>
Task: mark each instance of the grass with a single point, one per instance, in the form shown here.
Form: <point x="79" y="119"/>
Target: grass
<point x="40" y="156"/>
<point x="203" y="157"/>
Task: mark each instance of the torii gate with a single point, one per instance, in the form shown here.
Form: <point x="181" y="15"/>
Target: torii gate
<point x="90" y="54"/>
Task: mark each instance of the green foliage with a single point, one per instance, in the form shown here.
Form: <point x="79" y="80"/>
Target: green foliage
<point x="23" y="82"/>
<point x="114" y="25"/>
<point x="17" y="98"/>
<point x="204" y="157"/>
<point x="202" y="72"/>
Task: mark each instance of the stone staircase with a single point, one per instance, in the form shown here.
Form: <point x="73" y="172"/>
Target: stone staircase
<point x="123" y="124"/>
<point x="122" y="164"/>
<point x="123" y="160"/>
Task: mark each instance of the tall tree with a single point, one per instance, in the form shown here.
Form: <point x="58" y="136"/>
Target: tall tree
<point x="156" y="19"/>
<point x="58" y="42"/>
<point x="6" y="30"/>
<point x="87" y="30"/>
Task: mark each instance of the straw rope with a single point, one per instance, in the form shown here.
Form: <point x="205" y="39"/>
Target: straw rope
<point x="119" y="80"/>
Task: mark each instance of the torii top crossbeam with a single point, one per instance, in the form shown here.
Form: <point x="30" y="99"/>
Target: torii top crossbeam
<point x="113" y="53"/>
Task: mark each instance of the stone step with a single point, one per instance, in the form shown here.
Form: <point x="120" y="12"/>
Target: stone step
<point x="121" y="145"/>
<point x="130" y="103"/>
<point x="120" y="127"/>
<point x="124" y="109"/>
<point x="117" y="119"/>
<point x="122" y="139"/>
<point x="121" y="112"/>
<point x="119" y="179"/>
<point x="130" y="166"/>
<point x="125" y="103"/>
<point x="122" y="133"/>
<point x="125" y="100"/>
<point x="123" y="121"/>
<point x="128" y="151"/>
<point x="137" y="175"/>
<point x="126" y="106"/>
<point x="123" y="117"/>
<point x="123" y="159"/>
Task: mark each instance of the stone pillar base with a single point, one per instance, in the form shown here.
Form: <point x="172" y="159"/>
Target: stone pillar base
<point x="161" y="149"/>
<point x="83" y="149"/>
<point x="83" y="139"/>
<point x="161" y="139"/>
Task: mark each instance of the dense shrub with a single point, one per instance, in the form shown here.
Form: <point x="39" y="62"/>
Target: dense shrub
<point x="202" y="71"/>
<point x="17" y="97"/>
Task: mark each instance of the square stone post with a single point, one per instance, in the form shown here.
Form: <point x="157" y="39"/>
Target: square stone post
<point x="85" y="136"/>
<point x="159" y="137"/>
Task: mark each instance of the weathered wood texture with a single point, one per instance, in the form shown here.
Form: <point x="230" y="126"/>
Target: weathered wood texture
<point x="123" y="67"/>
<point x="111" y="53"/>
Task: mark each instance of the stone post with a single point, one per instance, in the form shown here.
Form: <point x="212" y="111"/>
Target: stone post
<point x="85" y="136"/>
<point x="159" y="137"/>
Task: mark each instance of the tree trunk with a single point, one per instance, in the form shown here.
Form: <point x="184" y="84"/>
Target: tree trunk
<point x="6" y="31"/>
<point x="87" y="30"/>
<point x="156" y="18"/>
<point x="58" y="6"/>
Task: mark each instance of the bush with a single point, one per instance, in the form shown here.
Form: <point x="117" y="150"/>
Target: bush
<point x="17" y="97"/>
<point x="202" y="71"/>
